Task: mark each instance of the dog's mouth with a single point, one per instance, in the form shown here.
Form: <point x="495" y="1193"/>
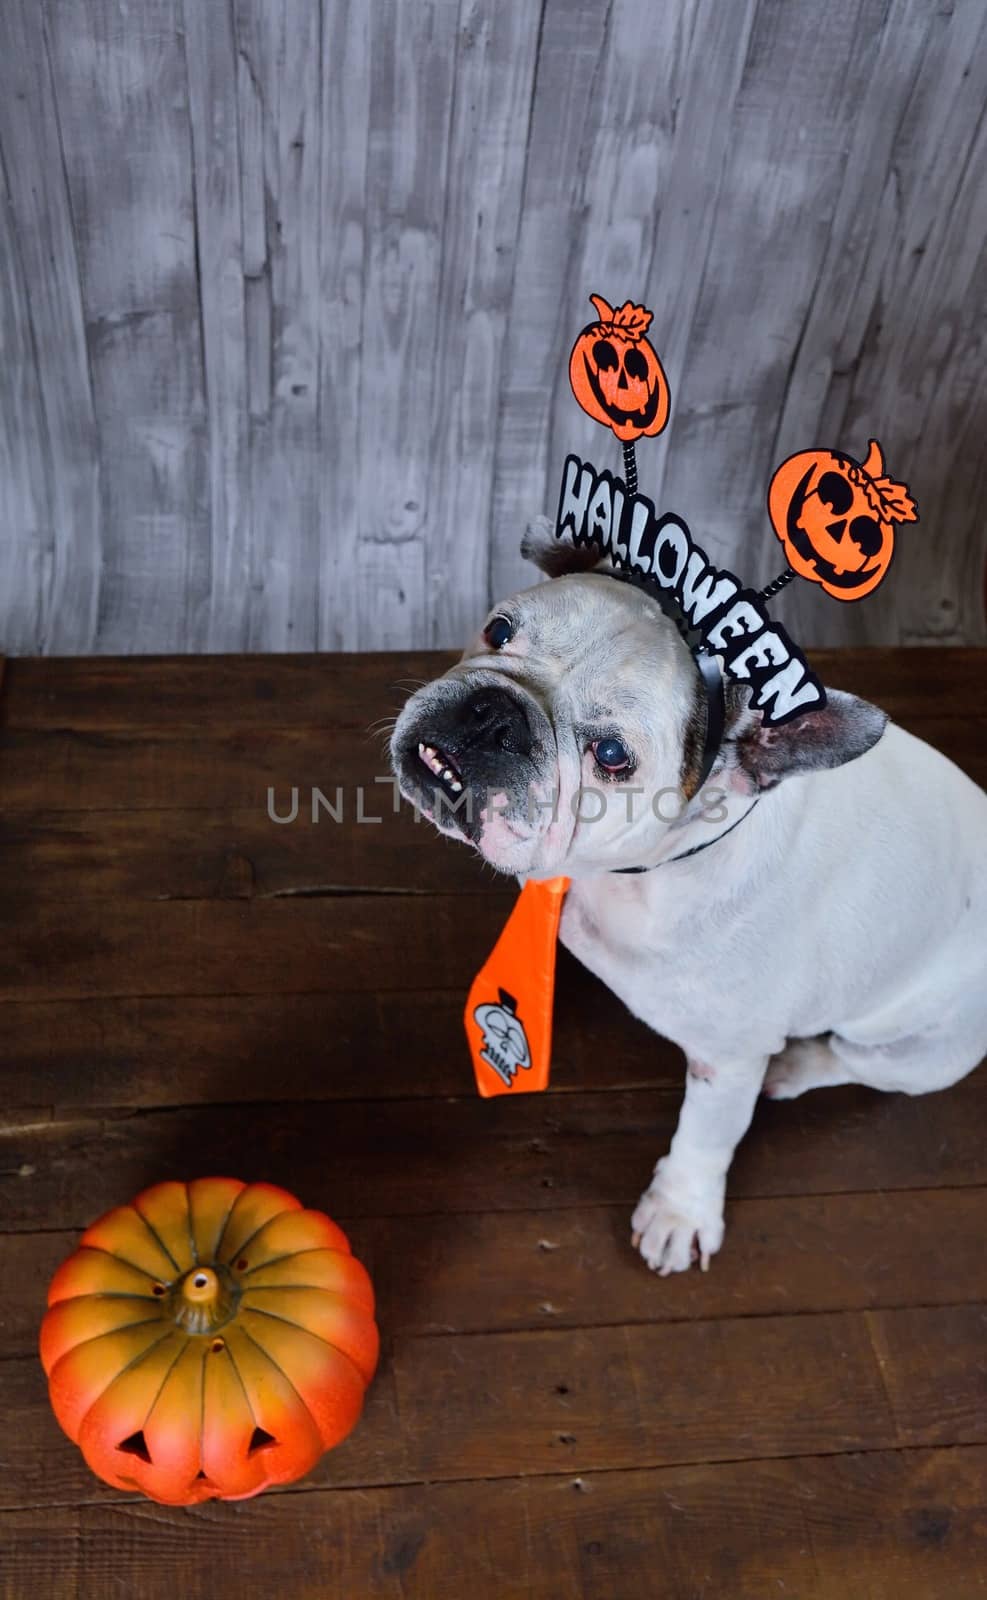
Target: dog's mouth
<point x="442" y="768"/>
<point x="467" y="755"/>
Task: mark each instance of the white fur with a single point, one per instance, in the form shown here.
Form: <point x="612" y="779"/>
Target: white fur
<point x="851" y="903"/>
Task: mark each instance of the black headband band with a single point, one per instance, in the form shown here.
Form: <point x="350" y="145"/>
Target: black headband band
<point x="707" y="666"/>
<point x="716" y="711"/>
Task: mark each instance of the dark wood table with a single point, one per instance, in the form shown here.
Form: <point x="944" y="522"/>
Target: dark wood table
<point x="188" y="987"/>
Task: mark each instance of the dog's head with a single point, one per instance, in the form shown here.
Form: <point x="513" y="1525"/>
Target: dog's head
<point x="569" y="737"/>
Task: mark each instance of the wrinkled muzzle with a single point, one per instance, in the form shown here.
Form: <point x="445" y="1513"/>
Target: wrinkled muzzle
<point x="478" y="757"/>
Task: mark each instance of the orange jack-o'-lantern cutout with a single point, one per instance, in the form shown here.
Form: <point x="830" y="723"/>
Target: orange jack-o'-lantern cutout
<point x="836" y="516"/>
<point x="615" y="373"/>
<point x="207" y="1340"/>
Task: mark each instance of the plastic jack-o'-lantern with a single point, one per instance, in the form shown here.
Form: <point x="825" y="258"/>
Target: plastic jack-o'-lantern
<point x="615" y="373"/>
<point x="208" y="1340"/>
<point x="835" y="517"/>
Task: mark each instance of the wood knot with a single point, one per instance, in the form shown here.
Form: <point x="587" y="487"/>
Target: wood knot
<point x="237" y="882"/>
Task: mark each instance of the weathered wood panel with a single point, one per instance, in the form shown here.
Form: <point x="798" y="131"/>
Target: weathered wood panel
<point x="288" y="286"/>
<point x="50" y="540"/>
<point x="599" y="1399"/>
<point x="375" y="1158"/>
<point x="122" y="89"/>
<point x="809" y="1253"/>
<point x="887" y="1525"/>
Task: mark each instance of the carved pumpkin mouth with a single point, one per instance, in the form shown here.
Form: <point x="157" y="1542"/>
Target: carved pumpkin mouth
<point x="802" y="544"/>
<point x="642" y="418"/>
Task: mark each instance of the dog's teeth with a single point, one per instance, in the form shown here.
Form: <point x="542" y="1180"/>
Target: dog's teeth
<point x="436" y="765"/>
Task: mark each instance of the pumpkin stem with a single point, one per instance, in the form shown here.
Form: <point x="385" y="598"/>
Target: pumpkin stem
<point x="204" y="1299"/>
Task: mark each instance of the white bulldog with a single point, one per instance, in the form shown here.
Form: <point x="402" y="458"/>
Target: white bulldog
<point x="816" y="914"/>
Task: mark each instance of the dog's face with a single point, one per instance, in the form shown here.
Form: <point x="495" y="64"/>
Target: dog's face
<point x="568" y="738"/>
<point x="545" y="744"/>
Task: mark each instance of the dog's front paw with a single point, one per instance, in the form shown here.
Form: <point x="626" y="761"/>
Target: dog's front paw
<point x="676" y="1224"/>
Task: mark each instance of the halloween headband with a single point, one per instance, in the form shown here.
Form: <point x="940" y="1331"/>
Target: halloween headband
<point x="835" y="519"/>
<point x="833" y="515"/>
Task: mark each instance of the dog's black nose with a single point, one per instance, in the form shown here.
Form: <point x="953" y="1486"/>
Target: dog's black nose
<point x="495" y="719"/>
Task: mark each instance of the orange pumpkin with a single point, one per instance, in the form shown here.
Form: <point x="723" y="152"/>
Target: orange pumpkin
<point x="615" y="373"/>
<point x="835" y="517"/>
<point x="208" y="1340"/>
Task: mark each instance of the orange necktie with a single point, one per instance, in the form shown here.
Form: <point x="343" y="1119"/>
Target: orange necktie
<point x="508" y="1013"/>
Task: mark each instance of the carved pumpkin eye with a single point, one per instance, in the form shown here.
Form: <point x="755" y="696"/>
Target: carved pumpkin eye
<point x="635" y="364"/>
<point x="866" y="535"/>
<point x="836" y="492"/>
<point x="605" y="355"/>
<point x="498" y="632"/>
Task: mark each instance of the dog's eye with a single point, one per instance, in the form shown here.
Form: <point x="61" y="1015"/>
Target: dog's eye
<point x="611" y="755"/>
<point x="498" y="632"/>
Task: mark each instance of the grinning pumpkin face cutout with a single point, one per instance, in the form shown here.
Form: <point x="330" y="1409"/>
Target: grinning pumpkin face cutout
<point x="616" y="375"/>
<point x="836" y="516"/>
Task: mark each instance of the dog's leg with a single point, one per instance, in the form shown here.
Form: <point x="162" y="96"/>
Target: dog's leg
<point x="917" y="1064"/>
<point x="680" y="1214"/>
<point x="804" y="1064"/>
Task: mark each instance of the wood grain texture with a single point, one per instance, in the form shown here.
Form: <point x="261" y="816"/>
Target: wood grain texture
<point x="411" y="74"/>
<point x="378" y="1157"/>
<point x="601" y="1399"/>
<point x="70" y="1056"/>
<point x="288" y="292"/>
<point x="211" y="69"/>
<point x="279" y="90"/>
<point x="88" y="770"/>
<point x="52" y="534"/>
<point x="122" y="91"/>
<point x="880" y="1524"/>
<point x="336" y="693"/>
<point x="808" y="1253"/>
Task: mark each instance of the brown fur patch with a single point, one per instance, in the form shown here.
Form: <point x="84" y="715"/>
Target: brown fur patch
<point x="558" y="557"/>
<point x="693" y="742"/>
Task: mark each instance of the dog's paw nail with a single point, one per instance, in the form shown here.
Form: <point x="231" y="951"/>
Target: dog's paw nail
<point x="673" y="1238"/>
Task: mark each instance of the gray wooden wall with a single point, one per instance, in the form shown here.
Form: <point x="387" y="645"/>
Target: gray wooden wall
<point x="287" y="286"/>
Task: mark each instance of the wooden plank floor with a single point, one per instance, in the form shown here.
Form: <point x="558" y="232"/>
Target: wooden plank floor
<point x="187" y="986"/>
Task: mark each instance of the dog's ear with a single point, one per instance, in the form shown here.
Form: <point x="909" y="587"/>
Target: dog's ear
<point x="762" y="755"/>
<point x="555" y="557"/>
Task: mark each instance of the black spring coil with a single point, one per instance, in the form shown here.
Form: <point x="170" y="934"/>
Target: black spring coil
<point x="630" y="478"/>
<point x="630" y="467"/>
<point x="777" y="584"/>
